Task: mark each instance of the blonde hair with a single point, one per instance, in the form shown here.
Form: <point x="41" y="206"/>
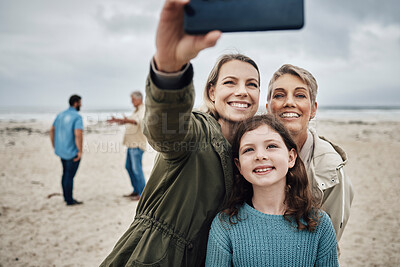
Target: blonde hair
<point x="212" y="79"/>
<point x="303" y="74"/>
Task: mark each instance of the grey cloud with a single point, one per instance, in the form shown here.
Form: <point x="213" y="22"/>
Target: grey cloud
<point x="138" y="22"/>
<point x="49" y="49"/>
<point x="330" y="25"/>
<point x="386" y="12"/>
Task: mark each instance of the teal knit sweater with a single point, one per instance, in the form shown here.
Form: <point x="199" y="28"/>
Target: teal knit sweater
<point x="269" y="240"/>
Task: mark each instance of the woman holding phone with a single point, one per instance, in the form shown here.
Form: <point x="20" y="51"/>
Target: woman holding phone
<point x="192" y="174"/>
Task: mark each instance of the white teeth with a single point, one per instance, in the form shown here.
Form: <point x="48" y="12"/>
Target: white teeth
<point x="239" y="105"/>
<point x="262" y="170"/>
<point x="290" y="115"/>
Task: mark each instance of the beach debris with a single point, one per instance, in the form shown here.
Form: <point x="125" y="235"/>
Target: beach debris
<point x="20" y="129"/>
<point x="54" y="194"/>
<point x="10" y="143"/>
<point x="37" y="182"/>
<point x="4" y="210"/>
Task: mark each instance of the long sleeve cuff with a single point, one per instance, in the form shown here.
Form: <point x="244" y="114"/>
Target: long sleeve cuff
<point x="171" y="81"/>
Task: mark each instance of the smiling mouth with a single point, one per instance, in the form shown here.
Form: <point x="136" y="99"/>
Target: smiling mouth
<point x="262" y="170"/>
<point x="289" y="115"/>
<point x="239" y="104"/>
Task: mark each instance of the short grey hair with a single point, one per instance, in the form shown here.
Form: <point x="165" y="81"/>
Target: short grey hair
<point x="303" y="74"/>
<point x="137" y="95"/>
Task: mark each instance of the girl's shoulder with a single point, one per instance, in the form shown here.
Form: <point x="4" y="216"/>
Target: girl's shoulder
<point x="225" y="221"/>
<point x="325" y="222"/>
<point x="220" y="225"/>
<point x="324" y="217"/>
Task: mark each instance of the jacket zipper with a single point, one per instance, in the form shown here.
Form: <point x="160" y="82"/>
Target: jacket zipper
<point x="343" y="196"/>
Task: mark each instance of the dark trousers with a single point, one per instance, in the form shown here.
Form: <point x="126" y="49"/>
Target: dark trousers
<point x="67" y="181"/>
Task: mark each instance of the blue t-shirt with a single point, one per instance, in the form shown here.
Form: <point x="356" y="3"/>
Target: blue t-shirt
<point x="269" y="240"/>
<point x="64" y="138"/>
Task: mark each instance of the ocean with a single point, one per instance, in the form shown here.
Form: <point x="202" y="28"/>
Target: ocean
<point x="334" y="113"/>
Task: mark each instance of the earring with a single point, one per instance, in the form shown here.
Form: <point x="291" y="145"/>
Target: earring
<point x="311" y="117"/>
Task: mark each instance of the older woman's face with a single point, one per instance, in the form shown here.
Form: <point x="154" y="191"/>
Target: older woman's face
<point x="291" y="103"/>
<point x="236" y="92"/>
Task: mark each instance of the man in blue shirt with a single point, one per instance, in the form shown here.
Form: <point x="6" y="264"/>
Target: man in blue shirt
<point x="67" y="138"/>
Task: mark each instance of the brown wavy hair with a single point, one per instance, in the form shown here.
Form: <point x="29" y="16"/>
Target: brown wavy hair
<point x="302" y="208"/>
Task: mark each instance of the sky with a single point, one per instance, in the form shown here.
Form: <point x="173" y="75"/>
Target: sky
<point x="101" y="50"/>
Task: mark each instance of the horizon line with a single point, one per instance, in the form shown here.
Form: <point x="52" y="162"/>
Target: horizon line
<point x="114" y="108"/>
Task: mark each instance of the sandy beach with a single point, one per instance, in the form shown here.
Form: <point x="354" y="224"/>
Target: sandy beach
<point x="38" y="229"/>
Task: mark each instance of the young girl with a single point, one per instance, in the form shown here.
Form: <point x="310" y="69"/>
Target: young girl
<point x="270" y="218"/>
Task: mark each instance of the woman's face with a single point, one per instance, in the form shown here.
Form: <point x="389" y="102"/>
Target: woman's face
<point x="264" y="159"/>
<point x="291" y="104"/>
<point x="236" y="92"/>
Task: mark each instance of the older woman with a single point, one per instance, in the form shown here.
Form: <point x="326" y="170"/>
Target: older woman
<point x="291" y="99"/>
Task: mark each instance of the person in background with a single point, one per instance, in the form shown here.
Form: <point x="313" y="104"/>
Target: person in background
<point x="291" y="98"/>
<point x="271" y="218"/>
<point x="136" y="143"/>
<point x="66" y="136"/>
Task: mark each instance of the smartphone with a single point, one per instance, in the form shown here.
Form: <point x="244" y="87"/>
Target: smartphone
<point x="202" y="16"/>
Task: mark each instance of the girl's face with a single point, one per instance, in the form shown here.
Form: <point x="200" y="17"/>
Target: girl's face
<point x="236" y="92"/>
<point x="291" y="103"/>
<point x="264" y="158"/>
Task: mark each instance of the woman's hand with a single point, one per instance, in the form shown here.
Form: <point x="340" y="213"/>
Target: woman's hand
<point x="175" y="48"/>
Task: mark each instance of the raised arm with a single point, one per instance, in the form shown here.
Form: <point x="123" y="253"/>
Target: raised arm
<point x="169" y="88"/>
<point x="121" y="121"/>
<point x="175" y="48"/>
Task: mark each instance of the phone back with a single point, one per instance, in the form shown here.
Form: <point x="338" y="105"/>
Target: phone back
<point x="202" y="16"/>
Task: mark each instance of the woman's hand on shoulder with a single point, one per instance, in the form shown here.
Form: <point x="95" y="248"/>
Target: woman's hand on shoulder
<point x="175" y="48"/>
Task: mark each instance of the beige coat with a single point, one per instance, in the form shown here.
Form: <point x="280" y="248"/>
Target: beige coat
<point x="134" y="136"/>
<point x="329" y="183"/>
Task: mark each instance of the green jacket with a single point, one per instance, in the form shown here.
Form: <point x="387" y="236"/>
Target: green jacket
<point x="191" y="177"/>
